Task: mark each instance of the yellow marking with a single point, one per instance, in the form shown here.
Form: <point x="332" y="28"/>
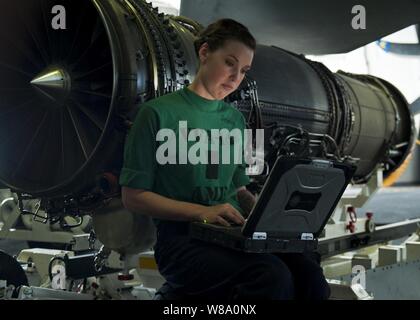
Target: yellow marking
<point x="390" y="180"/>
<point x="147" y="263"/>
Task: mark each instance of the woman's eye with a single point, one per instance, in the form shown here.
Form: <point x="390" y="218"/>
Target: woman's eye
<point x="229" y="63"/>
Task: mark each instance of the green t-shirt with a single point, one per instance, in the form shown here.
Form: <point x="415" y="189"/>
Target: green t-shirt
<point x="206" y="184"/>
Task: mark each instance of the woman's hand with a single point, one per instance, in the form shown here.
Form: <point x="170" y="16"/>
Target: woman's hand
<point x="160" y="207"/>
<point x="246" y="200"/>
<point x="221" y="214"/>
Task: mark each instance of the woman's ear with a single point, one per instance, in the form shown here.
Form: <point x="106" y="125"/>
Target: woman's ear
<point x="203" y="52"/>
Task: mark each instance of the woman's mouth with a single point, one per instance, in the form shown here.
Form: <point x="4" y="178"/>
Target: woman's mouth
<point x="228" y="88"/>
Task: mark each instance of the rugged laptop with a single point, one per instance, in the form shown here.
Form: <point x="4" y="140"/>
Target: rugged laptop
<point x="297" y="199"/>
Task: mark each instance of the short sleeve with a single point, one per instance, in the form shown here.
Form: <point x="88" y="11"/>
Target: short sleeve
<point x="240" y="177"/>
<point x="139" y="166"/>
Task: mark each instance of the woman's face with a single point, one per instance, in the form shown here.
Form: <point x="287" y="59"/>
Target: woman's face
<point x="223" y="70"/>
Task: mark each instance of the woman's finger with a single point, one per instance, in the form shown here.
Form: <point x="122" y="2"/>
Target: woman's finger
<point x="237" y="217"/>
<point x="222" y="221"/>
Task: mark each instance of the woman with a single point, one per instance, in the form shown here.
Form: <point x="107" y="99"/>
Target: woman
<point x="175" y="192"/>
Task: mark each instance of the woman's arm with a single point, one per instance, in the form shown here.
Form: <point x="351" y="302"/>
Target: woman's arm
<point x="246" y="200"/>
<point x="157" y="206"/>
<point x="160" y="207"/>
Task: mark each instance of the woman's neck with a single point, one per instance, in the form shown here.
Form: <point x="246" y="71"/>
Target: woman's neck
<point x="198" y="87"/>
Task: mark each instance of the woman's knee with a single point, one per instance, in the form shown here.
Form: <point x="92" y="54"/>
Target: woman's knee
<point x="310" y="282"/>
<point x="320" y="289"/>
<point x="314" y="287"/>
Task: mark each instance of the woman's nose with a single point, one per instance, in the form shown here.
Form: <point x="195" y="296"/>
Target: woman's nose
<point x="235" y="75"/>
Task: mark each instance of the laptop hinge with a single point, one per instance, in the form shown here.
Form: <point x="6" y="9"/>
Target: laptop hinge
<point x="307" y="236"/>
<point x="259" y="236"/>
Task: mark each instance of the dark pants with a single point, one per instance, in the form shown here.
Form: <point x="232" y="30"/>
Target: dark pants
<point x="205" y="271"/>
